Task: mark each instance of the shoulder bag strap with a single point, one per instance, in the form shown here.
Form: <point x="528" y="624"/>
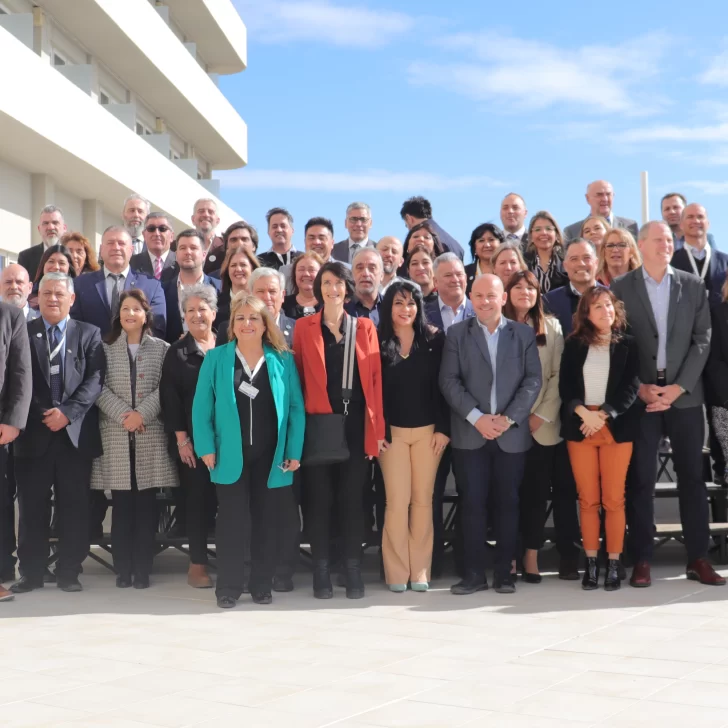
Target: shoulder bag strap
<point x="347" y="382"/>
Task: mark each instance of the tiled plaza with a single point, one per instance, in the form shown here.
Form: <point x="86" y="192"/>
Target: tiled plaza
<point x="549" y="656"/>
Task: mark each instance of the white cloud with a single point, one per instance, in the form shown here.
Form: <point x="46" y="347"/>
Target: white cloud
<point x="535" y="75"/>
<point x="717" y="71"/>
<point x="706" y="187"/>
<point x="321" y="21"/>
<point x="371" y="180"/>
<point x="674" y="133"/>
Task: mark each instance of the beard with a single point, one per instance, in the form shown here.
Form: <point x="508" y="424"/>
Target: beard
<point x="52" y="240"/>
<point x="135" y="229"/>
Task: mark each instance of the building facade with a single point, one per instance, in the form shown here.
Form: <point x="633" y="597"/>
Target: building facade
<point x="103" y="98"/>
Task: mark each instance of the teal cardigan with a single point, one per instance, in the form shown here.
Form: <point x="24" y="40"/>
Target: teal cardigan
<point x="215" y="420"/>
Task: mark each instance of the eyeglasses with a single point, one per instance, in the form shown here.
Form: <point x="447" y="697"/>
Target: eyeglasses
<point x="361" y="220"/>
<point x="617" y="246"/>
<point x="154" y="228"/>
<point x="544" y="229"/>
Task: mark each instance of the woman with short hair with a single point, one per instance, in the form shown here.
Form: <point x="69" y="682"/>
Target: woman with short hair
<point x="506" y="260"/>
<point x="302" y="301"/>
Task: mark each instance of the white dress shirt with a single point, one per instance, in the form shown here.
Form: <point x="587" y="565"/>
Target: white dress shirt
<point x="450" y="317"/>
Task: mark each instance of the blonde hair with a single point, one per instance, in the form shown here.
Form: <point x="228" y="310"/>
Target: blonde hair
<point x="272" y="334"/>
<point x="508" y="246"/>
<point x="598" y="218"/>
<point x="625" y="236"/>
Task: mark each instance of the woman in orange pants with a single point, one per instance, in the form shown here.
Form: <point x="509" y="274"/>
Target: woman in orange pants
<point x="598" y="384"/>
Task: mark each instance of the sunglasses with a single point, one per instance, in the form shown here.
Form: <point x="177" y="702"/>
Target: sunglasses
<point x="154" y="228"/>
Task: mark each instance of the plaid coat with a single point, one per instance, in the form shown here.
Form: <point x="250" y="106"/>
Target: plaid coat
<point x="154" y="466"/>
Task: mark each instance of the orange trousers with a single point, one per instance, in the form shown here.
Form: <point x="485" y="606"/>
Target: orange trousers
<point x="600" y="468"/>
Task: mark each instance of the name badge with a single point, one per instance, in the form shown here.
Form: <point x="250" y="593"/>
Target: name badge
<point x="55" y="369"/>
<point x="248" y="389"/>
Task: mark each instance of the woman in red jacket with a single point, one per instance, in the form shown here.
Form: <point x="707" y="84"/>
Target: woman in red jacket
<point x="319" y="343"/>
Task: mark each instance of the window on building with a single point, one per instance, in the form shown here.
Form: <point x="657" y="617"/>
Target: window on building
<point x="58" y="59"/>
<point x="142" y="130"/>
<point x="104" y="98"/>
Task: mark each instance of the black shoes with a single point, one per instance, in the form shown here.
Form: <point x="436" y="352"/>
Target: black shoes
<point x="282" y="584"/>
<point x="612" y="580"/>
<point x="504" y="584"/>
<point x="71" y="584"/>
<point x="354" y="582"/>
<point x="322" y="588"/>
<point x="591" y="574"/>
<point x="25" y="585"/>
<point x="531" y="578"/>
<point x="141" y="581"/>
<point x="226" y="602"/>
<point x="262" y="597"/>
<point x="469" y="585"/>
<point x="7" y="574"/>
<point x="123" y="582"/>
<point x="569" y="569"/>
<point x="49" y="577"/>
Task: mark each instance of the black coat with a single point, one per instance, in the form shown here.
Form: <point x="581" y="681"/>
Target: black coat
<point x="622" y="405"/>
<point x="716" y="371"/>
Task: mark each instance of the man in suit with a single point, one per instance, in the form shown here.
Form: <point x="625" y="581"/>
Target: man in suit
<point x="157" y="260"/>
<point x="51" y="227"/>
<point x="133" y="214"/>
<point x="600" y="197"/>
<point x="390" y="248"/>
<point x="97" y="294"/>
<point x="451" y="306"/>
<point x="205" y="220"/>
<point x="16" y="386"/>
<point x="189" y="261"/>
<point x="358" y="222"/>
<point x="513" y="215"/>
<point x="15" y="287"/>
<point x="280" y="232"/>
<point x="61" y="437"/>
<point x="416" y="210"/>
<point x="319" y="239"/>
<point x="368" y="271"/>
<point x="672" y="205"/>
<point x="580" y="264"/>
<point x="490" y="376"/>
<point x="667" y="313"/>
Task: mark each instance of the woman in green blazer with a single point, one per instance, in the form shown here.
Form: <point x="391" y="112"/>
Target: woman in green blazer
<point x="248" y="422"/>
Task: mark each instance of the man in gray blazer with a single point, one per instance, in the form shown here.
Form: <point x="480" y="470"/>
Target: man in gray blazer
<point x="668" y="314"/>
<point x="490" y="376"/>
<point x="600" y="196"/>
<point x="358" y="222"/>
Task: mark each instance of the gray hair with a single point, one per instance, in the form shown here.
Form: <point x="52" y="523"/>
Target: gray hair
<point x="51" y="208"/>
<point x="579" y="241"/>
<point x="116" y="229"/>
<point x="141" y="199"/>
<point x="645" y="229"/>
<point x="358" y="206"/>
<point x="264" y="272"/>
<point x="204" y="291"/>
<point x="155" y="215"/>
<point x="367" y="249"/>
<point x="446" y="258"/>
<point x="204" y="199"/>
<point x="57" y="277"/>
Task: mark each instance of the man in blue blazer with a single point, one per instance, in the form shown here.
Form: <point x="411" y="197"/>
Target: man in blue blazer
<point x="97" y="293"/>
<point x="190" y="259"/>
<point x="416" y="210"/>
<point x="490" y="376"/>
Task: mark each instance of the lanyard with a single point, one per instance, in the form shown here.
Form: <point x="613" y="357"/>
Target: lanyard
<point x="706" y="261"/>
<point x="246" y="368"/>
<point x="53" y="354"/>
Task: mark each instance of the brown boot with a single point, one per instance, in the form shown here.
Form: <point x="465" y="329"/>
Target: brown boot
<point x="198" y="577"/>
<point x="5" y="595"/>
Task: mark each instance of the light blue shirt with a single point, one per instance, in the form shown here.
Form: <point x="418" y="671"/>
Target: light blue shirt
<point x="450" y="317"/>
<point x="492" y="341"/>
<point x="61" y="326"/>
<point x="697" y="254"/>
<point x="659" y="295"/>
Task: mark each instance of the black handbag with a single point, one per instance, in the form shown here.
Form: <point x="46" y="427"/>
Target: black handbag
<point x="324" y="442"/>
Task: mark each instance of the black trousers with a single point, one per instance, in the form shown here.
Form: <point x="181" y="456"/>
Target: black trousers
<point x="716" y="451"/>
<point x="133" y="527"/>
<point x="7" y="510"/>
<point x="289" y="531"/>
<point x="547" y="476"/>
<point x="198" y="492"/>
<point x="252" y="490"/>
<point x="685" y="427"/>
<point x="68" y="472"/>
<point x="485" y="470"/>
<point x="447" y="463"/>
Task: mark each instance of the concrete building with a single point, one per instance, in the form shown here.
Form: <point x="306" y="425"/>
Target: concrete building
<point x="102" y="98"/>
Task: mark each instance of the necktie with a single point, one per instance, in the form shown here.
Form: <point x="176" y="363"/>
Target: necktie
<point x="57" y="378"/>
<point x="114" y="295"/>
<point x="512" y="236"/>
<point x="138" y="245"/>
<point x="353" y="250"/>
<point x="157" y="268"/>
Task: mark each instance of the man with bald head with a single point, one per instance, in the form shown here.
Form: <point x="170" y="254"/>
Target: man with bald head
<point x="15" y="287"/>
<point x="600" y="198"/>
<point x="490" y="376"/>
<point x="513" y="214"/>
<point x="390" y="248"/>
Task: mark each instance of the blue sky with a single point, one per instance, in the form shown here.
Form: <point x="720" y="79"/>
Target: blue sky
<point x="379" y="101"/>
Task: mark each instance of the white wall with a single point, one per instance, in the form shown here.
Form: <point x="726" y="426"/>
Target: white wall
<point x="15" y="212"/>
<point x="72" y="208"/>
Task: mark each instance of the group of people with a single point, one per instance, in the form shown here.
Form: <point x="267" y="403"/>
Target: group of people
<point x="327" y="390"/>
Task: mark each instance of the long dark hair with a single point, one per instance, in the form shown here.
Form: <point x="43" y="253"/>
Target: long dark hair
<point x="584" y="329"/>
<point x="138" y="296"/>
<point x="536" y="314"/>
<point x="51" y="250"/>
<point x="482" y="229"/>
<point x="389" y="344"/>
<point x="437" y="245"/>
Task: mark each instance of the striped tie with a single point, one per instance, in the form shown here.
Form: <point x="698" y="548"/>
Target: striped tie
<point x="157" y="268"/>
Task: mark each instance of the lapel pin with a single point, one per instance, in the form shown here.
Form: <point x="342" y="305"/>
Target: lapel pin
<point x="40" y="336"/>
<point x="212" y="258"/>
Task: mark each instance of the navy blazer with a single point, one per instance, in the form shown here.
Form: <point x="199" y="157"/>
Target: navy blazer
<point x="171" y="297"/>
<point x="448" y="241"/>
<point x="434" y="316"/>
<point x="142" y="263"/>
<point x="92" y="302"/>
<point x="559" y="302"/>
<point x="714" y="278"/>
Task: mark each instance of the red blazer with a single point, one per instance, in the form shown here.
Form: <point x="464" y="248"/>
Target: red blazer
<point x="308" y="349"/>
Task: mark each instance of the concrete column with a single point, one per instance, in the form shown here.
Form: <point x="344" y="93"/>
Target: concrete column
<point x="93" y="222"/>
<point x="42" y="193"/>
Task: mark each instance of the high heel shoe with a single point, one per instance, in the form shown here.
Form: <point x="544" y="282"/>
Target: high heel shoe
<point x="591" y="574"/>
<point x="612" y="582"/>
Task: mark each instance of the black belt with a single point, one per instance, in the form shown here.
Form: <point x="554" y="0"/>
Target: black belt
<point x="661" y="377"/>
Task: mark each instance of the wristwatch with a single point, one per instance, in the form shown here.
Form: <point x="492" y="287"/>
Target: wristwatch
<point x="509" y="421"/>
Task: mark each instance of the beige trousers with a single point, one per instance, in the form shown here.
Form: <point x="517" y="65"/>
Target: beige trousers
<point x="409" y="467"/>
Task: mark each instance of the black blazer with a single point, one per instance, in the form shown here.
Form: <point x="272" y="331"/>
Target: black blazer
<point x="716" y="371"/>
<point x="622" y="405"/>
<point x="142" y="263"/>
<point x="84" y="366"/>
<point x="714" y="278"/>
<point x="171" y="297"/>
<point x="16" y="381"/>
<point x="30" y="259"/>
<point x="471" y="270"/>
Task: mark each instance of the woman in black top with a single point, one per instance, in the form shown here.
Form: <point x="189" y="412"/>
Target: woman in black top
<point x="544" y="252"/>
<point x="302" y="301"/>
<point x="421" y="270"/>
<point x="483" y="242"/>
<point x="420" y="234"/>
<point x="417" y="431"/>
<point x="177" y="391"/>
